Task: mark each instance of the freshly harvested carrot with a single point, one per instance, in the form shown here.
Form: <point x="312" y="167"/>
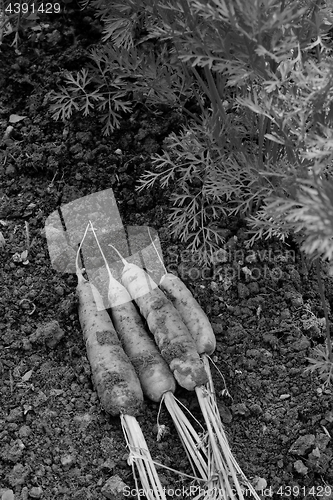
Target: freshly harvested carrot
<point x="192" y="314"/>
<point x="171" y="334"/>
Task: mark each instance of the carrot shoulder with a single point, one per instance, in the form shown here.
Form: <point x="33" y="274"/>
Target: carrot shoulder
<point x="114" y="377"/>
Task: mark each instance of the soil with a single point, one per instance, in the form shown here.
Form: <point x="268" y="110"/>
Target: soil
<point x="56" y="441"/>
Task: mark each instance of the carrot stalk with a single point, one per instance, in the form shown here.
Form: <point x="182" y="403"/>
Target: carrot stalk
<point x="192" y="442"/>
<point x="141" y="458"/>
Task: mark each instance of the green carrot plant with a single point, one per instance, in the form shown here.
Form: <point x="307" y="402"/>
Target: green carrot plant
<point x="266" y="74"/>
<point x="115" y="81"/>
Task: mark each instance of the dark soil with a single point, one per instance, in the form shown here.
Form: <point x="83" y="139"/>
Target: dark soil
<point x="56" y="441"/>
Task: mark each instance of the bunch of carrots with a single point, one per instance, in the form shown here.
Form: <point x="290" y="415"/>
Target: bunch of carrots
<point x="127" y="362"/>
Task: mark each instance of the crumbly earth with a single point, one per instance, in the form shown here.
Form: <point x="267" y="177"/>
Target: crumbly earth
<point x="55" y="441"/>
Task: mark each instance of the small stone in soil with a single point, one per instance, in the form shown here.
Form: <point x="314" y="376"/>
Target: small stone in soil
<point x="36" y="492"/>
<point x="114" y="488"/>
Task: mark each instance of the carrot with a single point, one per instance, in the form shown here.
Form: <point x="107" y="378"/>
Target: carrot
<point x="192" y="314"/>
<point x="171" y="335"/>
